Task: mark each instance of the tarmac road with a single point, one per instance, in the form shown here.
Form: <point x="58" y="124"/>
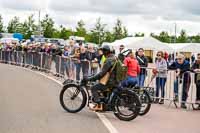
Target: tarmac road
<point x="30" y="104"/>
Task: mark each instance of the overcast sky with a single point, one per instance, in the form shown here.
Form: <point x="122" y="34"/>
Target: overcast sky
<point x="137" y="15"/>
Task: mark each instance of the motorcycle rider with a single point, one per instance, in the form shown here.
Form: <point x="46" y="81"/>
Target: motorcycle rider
<point x="109" y="66"/>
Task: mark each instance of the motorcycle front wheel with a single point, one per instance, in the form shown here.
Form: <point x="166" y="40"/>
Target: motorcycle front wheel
<point x="72" y="98"/>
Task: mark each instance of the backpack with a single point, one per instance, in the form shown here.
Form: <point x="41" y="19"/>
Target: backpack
<point x="121" y="56"/>
<point x="121" y="71"/>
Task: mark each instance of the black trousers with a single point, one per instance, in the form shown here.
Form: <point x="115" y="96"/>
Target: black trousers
<point x="198" y="91"/>
<point x="95" y="91"/>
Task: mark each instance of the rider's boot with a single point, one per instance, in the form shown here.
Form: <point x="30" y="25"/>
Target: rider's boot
<point x="96" y="107"/>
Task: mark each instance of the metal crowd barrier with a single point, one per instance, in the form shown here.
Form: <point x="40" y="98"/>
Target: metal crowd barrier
<point x="66" y="67"/>
<point x="73" y="69"/>
<point x="187" y="85"/>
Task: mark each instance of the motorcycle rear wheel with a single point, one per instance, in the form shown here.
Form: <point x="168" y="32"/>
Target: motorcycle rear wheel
<point x="126" y="101"/>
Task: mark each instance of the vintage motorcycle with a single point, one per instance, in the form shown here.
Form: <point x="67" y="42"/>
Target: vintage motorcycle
<point x="124" y="103"/>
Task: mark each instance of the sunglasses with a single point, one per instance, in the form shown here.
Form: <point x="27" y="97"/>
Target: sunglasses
<point x="179" y="58"/>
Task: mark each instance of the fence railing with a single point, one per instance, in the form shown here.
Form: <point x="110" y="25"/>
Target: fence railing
<point x="184" y="86"/>
<point x="74" y="69"/>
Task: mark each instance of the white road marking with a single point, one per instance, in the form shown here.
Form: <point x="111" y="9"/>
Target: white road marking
<point x="107" y="123"/>
<point x="102" y="117"/>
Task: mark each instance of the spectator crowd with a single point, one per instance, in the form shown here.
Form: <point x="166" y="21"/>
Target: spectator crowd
<point x="70" y="60"/>
<point x="78" y="60"/>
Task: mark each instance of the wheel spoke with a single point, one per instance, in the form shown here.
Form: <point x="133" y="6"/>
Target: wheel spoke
<point x="69" y="93"/>
<point x="66" y="98"/>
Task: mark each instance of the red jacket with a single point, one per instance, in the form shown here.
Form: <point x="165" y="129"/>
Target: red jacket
<point x="133" y="66"/>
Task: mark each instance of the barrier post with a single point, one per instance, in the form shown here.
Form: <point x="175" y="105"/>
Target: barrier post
<point x="32" y="59"/>
<point x="9" y="55"/>
<point x="1" y="55"/>
<point x="172" y="100"/>
<point x="49" y="62"/>
<point x="59" y="70"/>
<point x="41" y="57"/>
<point x="192" y="88"/>
<point x="17" y="58"/>
<point x="23" y="58"/>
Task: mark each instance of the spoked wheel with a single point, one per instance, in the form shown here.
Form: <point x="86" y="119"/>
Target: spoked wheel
<point x="72" y="98"/>
<point x="126" y="106"/>
<point x="196" y="106"/>
<point x="145" y="101"/>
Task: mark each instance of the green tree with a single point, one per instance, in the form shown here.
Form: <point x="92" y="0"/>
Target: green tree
<point x="196" y="38"/>
<point x="65" y="33"/>
<point x="183" y="37"/>
<point x="98" y="32"/>
<point x="56" y="33"/>
<point x="29" y="27"/>
<point x="152" y="35"/>
<point x="47" y="25"/>
<point x="14" y="25"/>
<point x="164" y="37"/>
<point x="1" y="24"/>
<point x="88" y="37"/>
<point x="139" y="34"/>
<point x="80" y="29"/>
<point x="118" y="30"/>
<point x="62" y="32"/>
<point x="68" y="33"/>
<point x="108" y="36"/>
<point x="125" y="32"/>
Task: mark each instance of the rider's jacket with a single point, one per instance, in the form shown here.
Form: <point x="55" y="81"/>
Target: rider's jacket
<point x="110" y="61"/>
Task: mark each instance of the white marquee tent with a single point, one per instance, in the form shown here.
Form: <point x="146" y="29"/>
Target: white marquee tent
<point x="192" y="47"/>
<point x="177" y="46"/>
<point x="185" y="47"/>
<point x="148" y="43"/>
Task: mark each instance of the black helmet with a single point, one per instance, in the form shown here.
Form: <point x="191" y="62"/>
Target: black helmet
<point x="106" y="48"/>
<point x="129" y="51"/>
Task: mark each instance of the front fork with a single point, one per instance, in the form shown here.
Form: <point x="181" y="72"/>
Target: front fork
<point x="75" y="94"/>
